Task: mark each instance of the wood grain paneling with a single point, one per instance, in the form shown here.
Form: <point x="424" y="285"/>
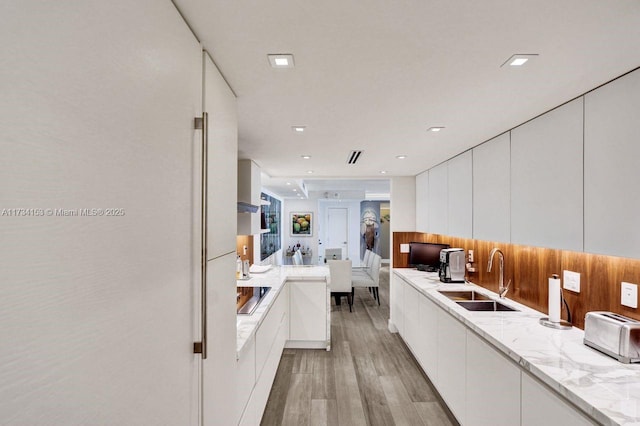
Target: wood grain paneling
<point x="529" y="269"/>
<point x="241" y="242"/>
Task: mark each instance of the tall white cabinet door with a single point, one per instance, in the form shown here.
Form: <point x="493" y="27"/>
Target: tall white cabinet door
<point x="611" y="174"/>
<point x="96" y="306"/>
<point x="422" y="202"/>
<point x="220" y="103"/>
<point x="438" y="199"/>
<point x="546" y="179"/>
<point x="219" y="369"/>
<point x="492" y="381"/>
<point x="491" y="190"/>
<point x="460" y="198"/>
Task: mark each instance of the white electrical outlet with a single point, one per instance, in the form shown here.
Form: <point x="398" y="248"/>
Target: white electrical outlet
<point x="404" y="248"/>
<point x="629" y="295"/>
<point x="571" y="281"/>
<point x="471" y="256"/>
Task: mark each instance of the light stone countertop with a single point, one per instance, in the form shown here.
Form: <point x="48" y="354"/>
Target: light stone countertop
<point x="274" y="278"/>
<point x="605" y="389"/>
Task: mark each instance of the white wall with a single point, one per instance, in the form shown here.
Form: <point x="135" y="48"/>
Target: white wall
<point x="291" y="206"/>
<point x="96" y="312"/>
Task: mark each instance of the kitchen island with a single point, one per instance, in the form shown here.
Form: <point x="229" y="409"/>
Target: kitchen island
<point x="295" y="313"/>
<point x="504" y="367"/>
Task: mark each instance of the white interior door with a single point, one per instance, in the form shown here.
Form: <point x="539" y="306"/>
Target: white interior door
<point x="338" y="229"/>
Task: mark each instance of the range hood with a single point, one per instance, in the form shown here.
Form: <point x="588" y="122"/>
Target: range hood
<point x="247" y="208"/>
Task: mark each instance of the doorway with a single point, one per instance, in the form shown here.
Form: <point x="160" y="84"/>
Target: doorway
<point x="338" y="229"/>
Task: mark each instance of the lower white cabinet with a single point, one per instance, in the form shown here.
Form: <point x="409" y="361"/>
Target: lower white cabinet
<point x="411" y="329"/>
<point x="308" y="304"/>
<point x="246" y="376"/>
<point x="493" y="386"/>
<point x="451" y="372"/>
<point x="479" y="384"/>
<point x="540" y="406"/>
<point x="427" y="350"/>
<point x="397" y="286"/>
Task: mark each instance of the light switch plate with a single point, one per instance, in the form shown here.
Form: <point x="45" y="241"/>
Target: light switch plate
<point x="404" y="248"/>
<point x="571" y="281"/>
<point x="629" y="295"/>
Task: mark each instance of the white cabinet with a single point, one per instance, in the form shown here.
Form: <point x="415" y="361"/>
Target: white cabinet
<point x="438" y="200"/>
<point x="249" y="187"/>
<point x="426" y="347"/>
<point x="308" y="304"/>
<point x="491" y="190"/>
<point x="220" y="103"/>
<point x="611" y="173"/>
<point x="546" y="179"/>
<point x="411" y="331"/>
<point x="493" y="386"/>
<point x="460" y="196"/>
<point x="422" y="202"/>
<point x="269" y="341"/>
<point x="246" y="380"/>
<point x="540" y="406"/>
<point x="396" y="290"/>
<point x="451" y="374"/>
<point x="222" y="337"/>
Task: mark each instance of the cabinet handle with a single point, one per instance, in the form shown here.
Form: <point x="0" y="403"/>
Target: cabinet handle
<point x="203" y="123"/>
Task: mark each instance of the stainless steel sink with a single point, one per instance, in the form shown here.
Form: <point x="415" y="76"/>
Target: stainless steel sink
<point x="464" y="295"/>
<point x="485" y="305"/>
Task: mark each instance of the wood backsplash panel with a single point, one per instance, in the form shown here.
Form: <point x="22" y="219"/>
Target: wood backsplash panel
<point x="529" y="269"/>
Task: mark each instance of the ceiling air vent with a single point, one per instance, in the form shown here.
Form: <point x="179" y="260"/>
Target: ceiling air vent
<point x="353" y="157"/>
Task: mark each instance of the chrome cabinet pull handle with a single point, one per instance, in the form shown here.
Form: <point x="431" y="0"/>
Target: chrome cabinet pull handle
<point x="203" y="123"/>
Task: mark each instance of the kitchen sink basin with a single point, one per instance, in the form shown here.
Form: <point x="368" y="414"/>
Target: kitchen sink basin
<point x="463" y="295"/>
<point x="485" y="305"/>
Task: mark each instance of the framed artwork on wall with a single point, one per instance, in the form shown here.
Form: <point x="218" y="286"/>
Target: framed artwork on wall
<point x="301" y="224"/>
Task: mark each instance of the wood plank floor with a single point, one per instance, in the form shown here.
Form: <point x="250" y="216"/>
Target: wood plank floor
<point x="368" y="378"/>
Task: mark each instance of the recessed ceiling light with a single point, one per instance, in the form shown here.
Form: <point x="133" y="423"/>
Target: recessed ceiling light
<point x="309" y="171"/>
<point x="306" y="157"/>
<point x="295" y="190"/>
<point x="298" y="129"/>
<point x="435" y="129"/>
<point x="288" y="183"/>
<point x="519" y="59"/>
<point x="383" y="172"/>
<point x="401" y="157"/>
<point x="284" y="60"/>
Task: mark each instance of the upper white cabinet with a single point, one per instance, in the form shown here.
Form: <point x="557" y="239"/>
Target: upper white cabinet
<point x="249" y="187"/>
<point x="546" y="179"/>
<point x="460" y="197"/>
<point x="422" y="202"/>
<point x="611" y="174"/>
<point x="491" y="190"/>
<point x="220" y="103"/>
<point x="438" y="199"/>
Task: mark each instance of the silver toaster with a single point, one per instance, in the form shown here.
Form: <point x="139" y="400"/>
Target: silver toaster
<point x="614" y="335"/>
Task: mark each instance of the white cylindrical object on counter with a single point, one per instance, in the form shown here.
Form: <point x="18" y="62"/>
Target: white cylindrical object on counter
<point x="554" y="299"/>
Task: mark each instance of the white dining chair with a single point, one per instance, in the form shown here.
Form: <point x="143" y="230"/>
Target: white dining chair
<point x="340" y="280"/>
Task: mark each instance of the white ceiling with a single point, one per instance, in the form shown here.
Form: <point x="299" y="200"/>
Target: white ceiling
<point x="376" y="75"/>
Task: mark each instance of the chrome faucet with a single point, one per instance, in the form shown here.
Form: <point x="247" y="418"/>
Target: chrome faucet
<point x="502" y="290"/>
